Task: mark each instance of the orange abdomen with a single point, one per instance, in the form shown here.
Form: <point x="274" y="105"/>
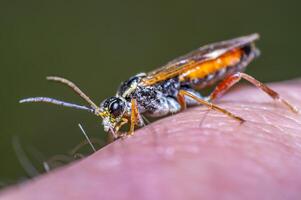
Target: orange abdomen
<point x="204" y="69"/>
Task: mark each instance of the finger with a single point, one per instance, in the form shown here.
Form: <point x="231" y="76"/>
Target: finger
<point x="196" y="154"/>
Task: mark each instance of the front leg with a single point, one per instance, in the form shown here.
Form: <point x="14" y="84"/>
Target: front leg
<point x="135" y="119"/>
<point x="134" y="116"/>
<point x="117" y="128"/>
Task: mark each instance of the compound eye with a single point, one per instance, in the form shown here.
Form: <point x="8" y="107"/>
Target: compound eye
<point x="116" y="107"/>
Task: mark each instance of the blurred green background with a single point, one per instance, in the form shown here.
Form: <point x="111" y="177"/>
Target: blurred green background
<point x="97" y="44"/>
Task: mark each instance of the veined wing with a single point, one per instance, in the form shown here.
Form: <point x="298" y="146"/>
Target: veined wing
<point x="195" y="58"/>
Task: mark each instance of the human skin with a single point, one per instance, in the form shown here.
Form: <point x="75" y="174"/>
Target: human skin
<point x="195" y="154"/>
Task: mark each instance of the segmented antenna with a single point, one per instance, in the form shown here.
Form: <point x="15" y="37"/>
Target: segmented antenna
<point x="74" y="88"/>
<point x="56" y="102"/>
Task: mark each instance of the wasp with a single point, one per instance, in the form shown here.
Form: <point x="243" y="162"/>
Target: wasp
<point x="175" y="85"/>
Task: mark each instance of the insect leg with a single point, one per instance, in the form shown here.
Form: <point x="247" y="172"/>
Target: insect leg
<point x="181" y="99"/>
<point x="123" y="122"/>
<point x="235" y="78"/>
<point x="134" y="116"/>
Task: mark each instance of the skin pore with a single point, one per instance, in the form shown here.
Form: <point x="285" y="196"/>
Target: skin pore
<point x="195" y="154"/>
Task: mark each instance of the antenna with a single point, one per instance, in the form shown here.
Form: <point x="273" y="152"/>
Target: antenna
<point x="94" y="108"/>
<point x="56" y="102"/>
<point x="74" y="88"/>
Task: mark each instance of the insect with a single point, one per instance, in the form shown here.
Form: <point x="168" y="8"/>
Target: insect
<point x="170" y="88"/>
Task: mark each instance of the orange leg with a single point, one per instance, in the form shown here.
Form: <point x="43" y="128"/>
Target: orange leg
<point x="235" y="78"/>
<point x="134" y="116"/>
<point x="181" y="100"/>
<point x="123" y="122"/>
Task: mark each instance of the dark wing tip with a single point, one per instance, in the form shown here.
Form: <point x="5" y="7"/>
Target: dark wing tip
<point x="252" y="37"/>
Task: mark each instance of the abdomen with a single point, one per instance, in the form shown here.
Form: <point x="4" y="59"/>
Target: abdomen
<point x="209" y="72"/>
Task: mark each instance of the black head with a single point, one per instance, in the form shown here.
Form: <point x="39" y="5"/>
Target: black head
<point x="114" y="105"/>
<point x="112" y="111"/>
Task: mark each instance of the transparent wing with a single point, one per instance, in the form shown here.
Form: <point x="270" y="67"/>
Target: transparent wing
<point x="194" y="58"/>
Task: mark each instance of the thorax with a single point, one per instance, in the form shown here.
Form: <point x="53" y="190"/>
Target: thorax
<point x="147" y="95"/>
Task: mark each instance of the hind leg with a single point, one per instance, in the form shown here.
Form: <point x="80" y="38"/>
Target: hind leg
<point x="231" y="80"/>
